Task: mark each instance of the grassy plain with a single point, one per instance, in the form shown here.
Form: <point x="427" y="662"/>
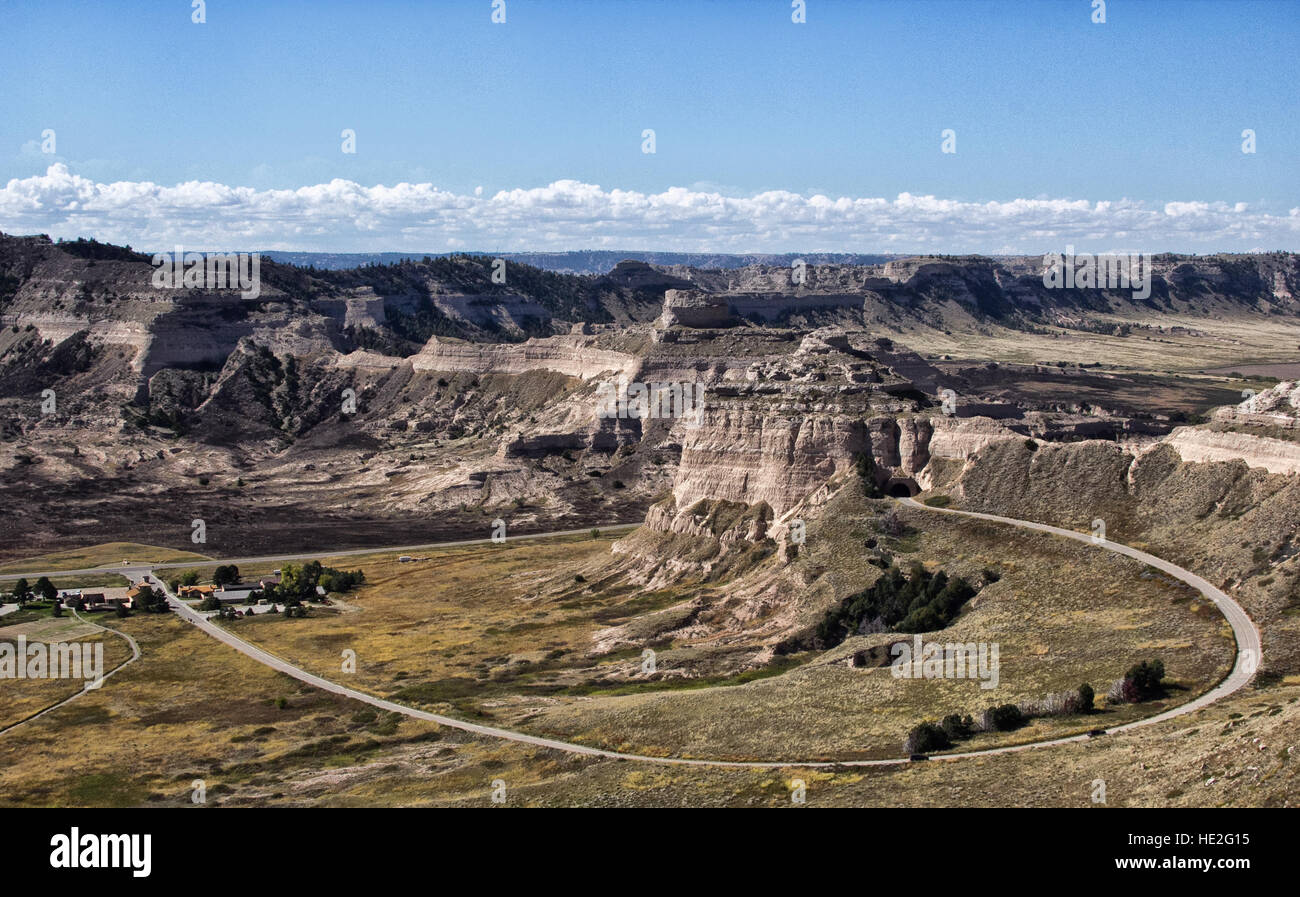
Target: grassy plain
<point x="191" y="709"/>
<point x="1202" y="343"/>
<point x="24" y="697"/>
<point x="504" y="634"/>
<point x="107" y="554"/>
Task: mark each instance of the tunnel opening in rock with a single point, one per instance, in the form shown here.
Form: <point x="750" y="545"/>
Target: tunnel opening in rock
<point x="902" y="487"/>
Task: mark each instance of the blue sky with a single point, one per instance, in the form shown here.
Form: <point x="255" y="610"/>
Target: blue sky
<point x="1148" y="107"/>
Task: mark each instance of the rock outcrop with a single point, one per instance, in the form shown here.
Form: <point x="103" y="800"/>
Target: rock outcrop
<point x="1201" y="445"/>
<point x="573" y="354"/>
<point x="693" y="308"/>
<point x="1275" y="407"/>
<point x="746" y="455"/>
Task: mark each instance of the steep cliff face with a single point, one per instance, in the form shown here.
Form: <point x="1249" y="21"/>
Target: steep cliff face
<point x="1260" y="431"/>
<point x="957" y="438"/>
<point x="574" y="355"/>
<point x="61" y="291"/>
<point x="1203" y="445"/>
<point x="695" y="308"/>
<point x="775" y="457"/>
<point x="780" y="418"/>
<point x="754" y="452"/>
<point x="203" y="329"/>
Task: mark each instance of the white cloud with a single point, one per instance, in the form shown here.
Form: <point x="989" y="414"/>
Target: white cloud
<point x="345" y="216"/>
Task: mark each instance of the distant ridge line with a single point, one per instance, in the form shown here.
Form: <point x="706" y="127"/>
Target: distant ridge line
<point x="595" y="261"/>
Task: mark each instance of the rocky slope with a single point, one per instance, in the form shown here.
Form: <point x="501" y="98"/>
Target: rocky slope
<point x="425" y="397"/>
<point x="60" y="289"/>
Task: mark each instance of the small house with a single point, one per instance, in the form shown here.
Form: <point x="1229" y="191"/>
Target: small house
<point x="191" y="593"/>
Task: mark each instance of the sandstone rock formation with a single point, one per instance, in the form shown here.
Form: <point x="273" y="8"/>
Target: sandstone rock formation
<point x="693" y="308"/>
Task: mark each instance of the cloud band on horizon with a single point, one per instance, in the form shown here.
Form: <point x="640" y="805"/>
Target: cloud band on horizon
<point x="343" y="216"/>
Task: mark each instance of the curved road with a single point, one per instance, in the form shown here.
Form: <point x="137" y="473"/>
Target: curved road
<point x="1250" y="650"/>
<point x="1243" y="628"/>
<point x="136" y="653"/>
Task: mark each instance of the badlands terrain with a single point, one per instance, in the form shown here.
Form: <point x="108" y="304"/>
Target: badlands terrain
<point x="422" y="401"/>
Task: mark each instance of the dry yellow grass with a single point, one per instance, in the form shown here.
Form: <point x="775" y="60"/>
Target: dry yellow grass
<point x="189" y="709"/>
<point x="24" y="697"/>
<point x="1208" y="343"/>
<point x="452" y="627"/>
<point x="108" y="554"/>
<point x="469" y="633"/>
<point x="194" y="709"/>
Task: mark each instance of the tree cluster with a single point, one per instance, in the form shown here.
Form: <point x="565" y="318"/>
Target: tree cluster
<point x="1142" y="682"/>
<point x="226" y="574"/>
<point x="298" y="582"/>
<point x="151" y="600"/>
<point x="930" y="736"/>
<point x="866" y="468"/>
<point x="919" y="601"/>
<point x="44" y="590"/>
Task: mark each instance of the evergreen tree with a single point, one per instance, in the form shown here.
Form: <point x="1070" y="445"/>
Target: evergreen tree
<point x="45" y="589"/>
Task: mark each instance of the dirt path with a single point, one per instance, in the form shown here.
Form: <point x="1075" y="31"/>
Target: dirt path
<point x="136" y="654"/>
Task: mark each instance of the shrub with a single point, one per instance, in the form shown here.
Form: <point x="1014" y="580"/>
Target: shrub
<point x="1063" y="703"/>
<point x="1086" y="697"/>
<point x="958" y="728"/>
<point x="1146" y="677"/>
<point x="891" y="524"/>
<point x="1003" y="719"/>
<point x="866" y="468"/>
<point x="925" y="738"/>
<point x="1122" y="691"/>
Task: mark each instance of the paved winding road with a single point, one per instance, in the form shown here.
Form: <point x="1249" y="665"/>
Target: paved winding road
<point x="1244" y="630"/>
<point x="1250" y="650"/>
